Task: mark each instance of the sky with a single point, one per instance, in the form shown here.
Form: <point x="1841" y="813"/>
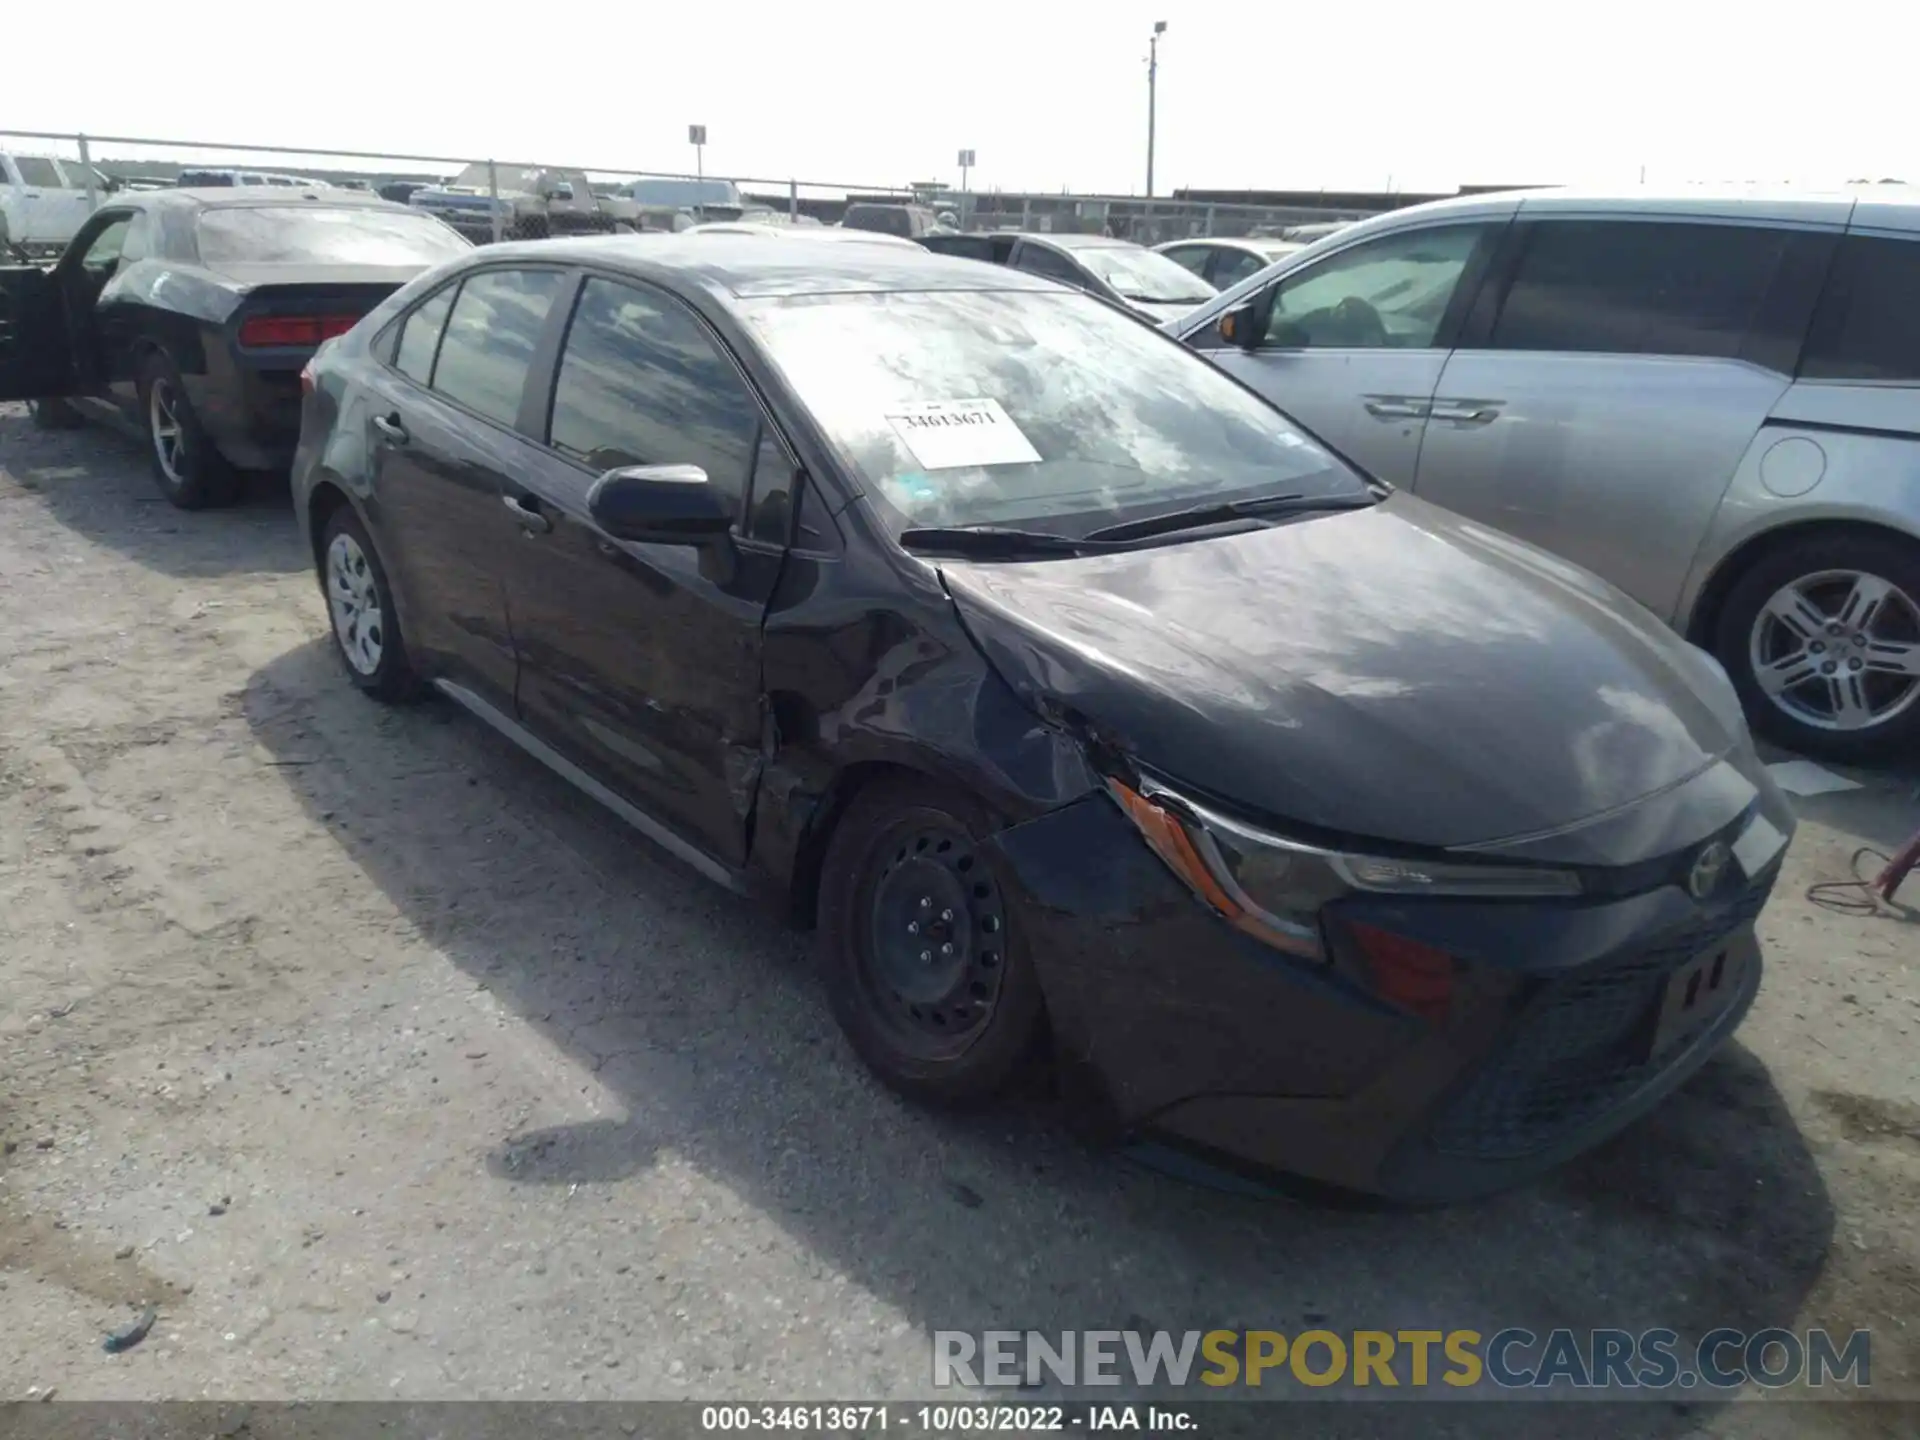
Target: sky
<point x="1050" y="94"/>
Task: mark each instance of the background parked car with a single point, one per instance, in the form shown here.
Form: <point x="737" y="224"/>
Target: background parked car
<point x="400" y="191"/>
<point x="1072" y="692"/>
<point x="1227" y="261"/>
<point x="187" y="315"/>
<point x="1712" y="400"/>
<point x="909" y="222"/>
<point x="43" y="201"/>
<point x="801" y="232"/>
<point x="532" y="202"/>
<point x="1118" y="270"/>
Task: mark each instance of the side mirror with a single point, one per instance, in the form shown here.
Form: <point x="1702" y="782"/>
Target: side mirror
<point x="1240" y="326"/>
<point x="660" y="505"/>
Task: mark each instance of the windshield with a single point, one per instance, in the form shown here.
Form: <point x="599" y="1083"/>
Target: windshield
<point x="1137" y="274"/>
<point x="1010" y="407"/>
<point x="525" y="179"/>
<point x="271" y="235"/>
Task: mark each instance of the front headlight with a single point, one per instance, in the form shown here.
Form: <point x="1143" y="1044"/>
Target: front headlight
<point x="1273" y="888"/>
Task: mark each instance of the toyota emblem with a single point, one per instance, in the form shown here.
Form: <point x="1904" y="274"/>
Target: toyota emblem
<point x="1708" y="866"/>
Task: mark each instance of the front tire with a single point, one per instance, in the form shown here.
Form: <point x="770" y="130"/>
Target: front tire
<point x="190" y="472"/>
<point x="1822" y="640"/>
<point x="366" y="627"/>
<point x="922" y="949"/>
<point x="54" y="413"/>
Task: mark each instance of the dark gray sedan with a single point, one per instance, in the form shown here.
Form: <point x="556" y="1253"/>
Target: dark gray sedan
<point x="1086" y="707"/>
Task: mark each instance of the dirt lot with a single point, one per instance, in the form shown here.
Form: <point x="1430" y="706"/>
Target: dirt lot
<point x="390" y="1067"/>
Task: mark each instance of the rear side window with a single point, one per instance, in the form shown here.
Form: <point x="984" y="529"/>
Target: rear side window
<point x="887" y="219"/>
<point x="343" y="235"/>
<point x="1868" y="323"/>
<point x="420" y="337"/>
<point x="1038" y="260"/>
<point x="642" y="383"/>
<point x="490" y="339"/>
<point x="1640" y="288"/>
<point x="39" y="172"/>
<point x="1230" y="267"/>
<point x="967" y="247"/>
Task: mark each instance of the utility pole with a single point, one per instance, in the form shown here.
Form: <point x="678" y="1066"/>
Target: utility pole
<point x="697" y="137"/>
<point x="1153" y="76"/>
<point x="966" y="164"/>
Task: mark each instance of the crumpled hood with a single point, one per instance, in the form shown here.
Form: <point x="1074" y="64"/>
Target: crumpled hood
<point x="1397" y="673"/>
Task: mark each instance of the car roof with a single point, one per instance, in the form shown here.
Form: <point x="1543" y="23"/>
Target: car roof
<point x="253" y="197"/>
<point x="745" y="266"/>
<point x="1885" y="206"/>
<point x="833" y="234"/>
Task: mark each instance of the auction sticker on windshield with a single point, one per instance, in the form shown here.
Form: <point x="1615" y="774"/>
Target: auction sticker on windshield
<point x="951" y="434"/>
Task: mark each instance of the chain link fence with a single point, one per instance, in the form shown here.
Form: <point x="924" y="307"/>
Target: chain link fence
<point x="528" y="197"/>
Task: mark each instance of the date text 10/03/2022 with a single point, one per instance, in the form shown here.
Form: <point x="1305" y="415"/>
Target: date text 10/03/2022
<point x="948" y="1419"/>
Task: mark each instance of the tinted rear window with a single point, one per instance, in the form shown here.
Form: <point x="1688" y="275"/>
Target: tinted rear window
<point x="887" y="219"/>
<point x="38" y="170"/>
<point x="272" y="235"/>
<point x="1868" y="324"/>
<point x="1640" y="288"/>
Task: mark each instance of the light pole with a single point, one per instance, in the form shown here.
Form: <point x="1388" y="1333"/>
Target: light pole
<point x="966" y="164"/>
<point x="697" y="137"/>
<point x="1153" y="75"/>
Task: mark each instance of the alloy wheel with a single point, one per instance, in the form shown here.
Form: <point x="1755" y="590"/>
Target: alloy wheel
<point x="163" y="422"/>
<point x="936" y="940"/>
<point x="1838" y="650"/>
<point x="353" y="595"/>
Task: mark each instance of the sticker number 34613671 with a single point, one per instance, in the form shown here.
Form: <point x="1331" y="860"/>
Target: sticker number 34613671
<point x="949" y="434"/>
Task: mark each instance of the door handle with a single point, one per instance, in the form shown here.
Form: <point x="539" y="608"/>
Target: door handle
<point x="390" y="428"/>
<point x="1392" y="407"/>
<point x="527" y="512"/>
<point x="1468" y="412"/>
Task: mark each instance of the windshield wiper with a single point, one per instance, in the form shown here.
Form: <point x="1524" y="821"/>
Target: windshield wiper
<point x="991" y="542"/>
<point x="1204" y="515"/>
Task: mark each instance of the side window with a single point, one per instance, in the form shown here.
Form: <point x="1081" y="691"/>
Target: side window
<point x="1639" y="287"/>
<point x="770" y="516"/>
<point x="102" y="254"/>
<point x="1390" y="293"/>
<point x="1868" y="323"/>
<point x="420" y="336"/>
<point x="38" y="173"/>
<point x="1039" y="260"/>
<point x="967" y="247"/>
<point x="642" y="383"/>
<point x="490" y="339"/>
<point x="1230" y="267"/>
<point x="138" y="243"/>
<point x="1190" y="257"/>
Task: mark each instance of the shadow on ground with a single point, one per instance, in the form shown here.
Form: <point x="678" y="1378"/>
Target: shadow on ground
<point x="96" y="482"/>
<point x="702" y="1016"/>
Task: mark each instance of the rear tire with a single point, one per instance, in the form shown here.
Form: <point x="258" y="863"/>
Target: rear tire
<point x="923" y="952"/>
<point x="54" y="413"/>
<point x="190" y="472"/>
<point x="1810" y="635"/>
<point x="360" y="609"/>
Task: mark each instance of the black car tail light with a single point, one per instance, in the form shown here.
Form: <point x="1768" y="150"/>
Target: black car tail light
<point x="1407" y="973"/>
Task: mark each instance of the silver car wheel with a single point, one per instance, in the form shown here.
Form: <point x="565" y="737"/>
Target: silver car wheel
<point x="1838" y="650"/>
<point x="163" y="423"/>
<point x="354" y="597"/>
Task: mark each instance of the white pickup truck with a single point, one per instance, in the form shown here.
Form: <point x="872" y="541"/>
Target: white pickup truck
<point x="43" y="201"/>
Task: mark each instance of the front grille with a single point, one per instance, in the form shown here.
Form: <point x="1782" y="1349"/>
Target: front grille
<point x="1578" y="1046"/>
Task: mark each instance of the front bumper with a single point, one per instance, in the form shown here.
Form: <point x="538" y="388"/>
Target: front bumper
<point x="1194" y="1033"/>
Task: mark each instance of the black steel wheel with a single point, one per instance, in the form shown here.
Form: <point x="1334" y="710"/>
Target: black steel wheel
<point x="921" y="949"/>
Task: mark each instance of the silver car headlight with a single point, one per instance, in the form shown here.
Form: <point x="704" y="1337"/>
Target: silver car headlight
<point x="1273" y="887"/>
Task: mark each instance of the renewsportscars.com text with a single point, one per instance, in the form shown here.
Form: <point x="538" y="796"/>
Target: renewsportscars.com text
<point x="1513" y="1358"/>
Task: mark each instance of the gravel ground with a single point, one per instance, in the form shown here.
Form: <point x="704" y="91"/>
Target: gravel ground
<point x="389" y="1067"/>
